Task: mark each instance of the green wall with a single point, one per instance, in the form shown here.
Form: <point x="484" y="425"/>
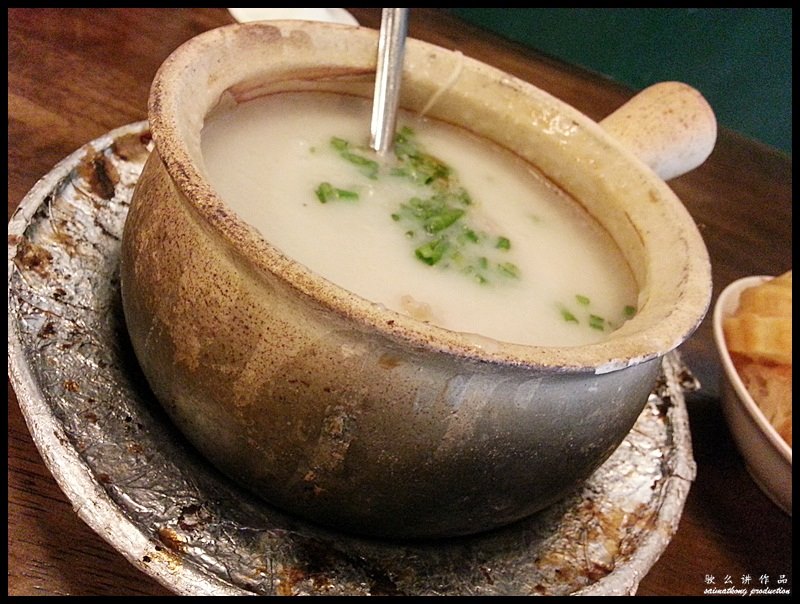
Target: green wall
<point x="740" y="59"/>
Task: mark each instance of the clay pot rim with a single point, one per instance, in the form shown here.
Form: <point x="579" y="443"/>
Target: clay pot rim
<point x="643" y="338"/>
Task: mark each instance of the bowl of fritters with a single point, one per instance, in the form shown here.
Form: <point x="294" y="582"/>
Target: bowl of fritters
<point x="753" y="332"/>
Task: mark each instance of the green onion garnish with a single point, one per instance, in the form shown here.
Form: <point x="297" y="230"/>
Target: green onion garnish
<point x="440" y="210"/>
<point x="327" y="192"/>
<point x="430" y="253"/>
<point x="509" y="269"/>
<point x="470" y="235"/>
<point x="596" y="322"/>
<point x="444" y="219"/>
<point x="367" y="167"/>
<point x="568" y="316"/>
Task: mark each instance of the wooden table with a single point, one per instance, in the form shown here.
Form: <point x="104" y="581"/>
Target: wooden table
<point x="74" y="74"/>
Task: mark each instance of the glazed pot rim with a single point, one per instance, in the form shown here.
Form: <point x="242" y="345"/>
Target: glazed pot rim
<point x="659" y="326"/>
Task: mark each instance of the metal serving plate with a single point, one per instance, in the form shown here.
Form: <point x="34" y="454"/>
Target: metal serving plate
<point x="137" y="482"/>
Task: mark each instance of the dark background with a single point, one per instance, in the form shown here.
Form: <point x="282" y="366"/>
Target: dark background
<point x="739" y="59"/>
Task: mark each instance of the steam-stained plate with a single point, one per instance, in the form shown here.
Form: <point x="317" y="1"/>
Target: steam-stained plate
<point x="132" y="477"/>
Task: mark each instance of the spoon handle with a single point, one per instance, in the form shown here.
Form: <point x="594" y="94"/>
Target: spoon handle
<point x="391" y="48"/>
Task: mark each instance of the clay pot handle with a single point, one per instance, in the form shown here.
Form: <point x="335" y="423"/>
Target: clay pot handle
<point x="669" y="126"/>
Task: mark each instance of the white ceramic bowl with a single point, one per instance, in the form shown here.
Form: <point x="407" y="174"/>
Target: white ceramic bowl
<point x="767" y="456"/>
<point x="329" y="15"/>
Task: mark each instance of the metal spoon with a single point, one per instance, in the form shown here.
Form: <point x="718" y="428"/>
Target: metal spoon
<point x="391" y="47"/>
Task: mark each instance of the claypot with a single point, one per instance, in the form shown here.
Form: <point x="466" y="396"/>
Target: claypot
<point x="338" y="410"/>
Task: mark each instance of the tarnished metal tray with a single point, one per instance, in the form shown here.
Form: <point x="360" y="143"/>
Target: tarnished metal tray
<point x="134" y="479"/>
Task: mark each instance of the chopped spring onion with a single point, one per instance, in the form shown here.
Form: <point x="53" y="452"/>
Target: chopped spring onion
<point x="327" y="192"/>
